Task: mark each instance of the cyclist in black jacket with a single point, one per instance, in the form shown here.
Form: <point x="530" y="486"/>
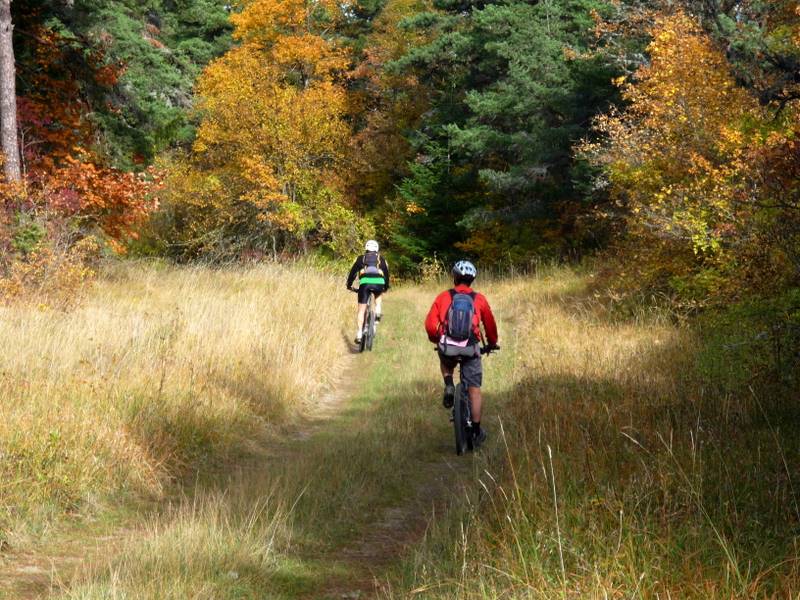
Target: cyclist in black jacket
<point x="372" y="272"/>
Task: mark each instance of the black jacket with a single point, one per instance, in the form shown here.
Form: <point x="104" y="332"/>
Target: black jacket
<point x="359" y="264"/>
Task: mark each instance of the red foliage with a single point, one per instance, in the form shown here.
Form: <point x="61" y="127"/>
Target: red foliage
<point x="65" y="177"/>
<point x="114" y="200"/>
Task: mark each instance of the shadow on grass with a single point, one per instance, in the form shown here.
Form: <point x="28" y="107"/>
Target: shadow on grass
<point x="348" y="343"/>
<point x="656" y="475"/>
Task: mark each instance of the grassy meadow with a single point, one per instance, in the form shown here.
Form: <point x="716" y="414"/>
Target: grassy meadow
<point x="158" y="373"/>
<point x="250" y="454"/>
<point x="328" y="507"/>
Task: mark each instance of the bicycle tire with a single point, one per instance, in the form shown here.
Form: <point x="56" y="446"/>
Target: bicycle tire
<point x="460" y="419"/>
<point x="371" y="326"/>
<point x="363" y="345"/>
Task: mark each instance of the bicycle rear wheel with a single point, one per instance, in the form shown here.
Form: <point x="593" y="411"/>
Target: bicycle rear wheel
<point x="371" y="323"/>
<point x="461" y="418"/>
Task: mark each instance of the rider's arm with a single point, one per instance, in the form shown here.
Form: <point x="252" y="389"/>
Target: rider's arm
<point x="489" y="324"/>
<point x="435" y="316"/>
<point x="357" y="266"/>
<point x="385" y="269"/>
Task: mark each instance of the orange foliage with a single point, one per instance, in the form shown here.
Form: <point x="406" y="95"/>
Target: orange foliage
<point x="678" y="153"/>
<point x="52" y="114"/>
<point x="114" y="200"/>
<point x="388" y="103"/>
<point x="49" y="224"/>
<point x="291" y="35"/>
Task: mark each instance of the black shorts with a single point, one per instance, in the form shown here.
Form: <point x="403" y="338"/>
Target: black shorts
<point x="365" y="290"/>
<point x="471" y="368"/>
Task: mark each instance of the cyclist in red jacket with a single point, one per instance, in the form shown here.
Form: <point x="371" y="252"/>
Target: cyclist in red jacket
<point x="454" y="325"/>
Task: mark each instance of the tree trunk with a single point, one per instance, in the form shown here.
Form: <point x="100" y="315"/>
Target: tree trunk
<point x="8" y="96"/>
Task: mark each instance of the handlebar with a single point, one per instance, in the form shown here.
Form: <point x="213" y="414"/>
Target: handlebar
<point x="485" y="350"/>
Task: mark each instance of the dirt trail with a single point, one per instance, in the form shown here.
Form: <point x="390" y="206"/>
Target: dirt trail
<point x="399" y="527"/>
<point x="383" y="541"/>
<point x="25" y="575"/>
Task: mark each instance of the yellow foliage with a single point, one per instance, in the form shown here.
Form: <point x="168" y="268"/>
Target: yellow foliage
<point x="413" y="208"/>
<point x="677" y="154"/>
<point x="273" y="131"/>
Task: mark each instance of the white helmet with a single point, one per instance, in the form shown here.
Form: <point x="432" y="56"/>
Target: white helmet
<point x="464" y="268"/>
<point x="371" y="246"/>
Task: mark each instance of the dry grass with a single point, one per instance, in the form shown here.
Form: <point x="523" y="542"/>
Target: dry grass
<point x="214" y="547"/>
<point x="325" y="508"/>
<point x="619" y="471"/>
<point x="159" y="372"/>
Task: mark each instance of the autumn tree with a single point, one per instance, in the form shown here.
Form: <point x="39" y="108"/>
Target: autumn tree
<point x="265" y="168"/>
<point x="760" y="40"/>
<point x="73" y="202"/>
<point x="701" y="169"/>
<point x="158" y="48"/>
<point x="384" y="103"/>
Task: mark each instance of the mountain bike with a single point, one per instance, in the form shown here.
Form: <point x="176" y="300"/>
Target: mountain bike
<point x="369" y="330"/>
<point x="462" y="417"/>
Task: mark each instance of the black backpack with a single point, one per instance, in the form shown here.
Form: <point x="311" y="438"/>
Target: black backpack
<point x="372" y="264"/>
<point x="460" y="315"/>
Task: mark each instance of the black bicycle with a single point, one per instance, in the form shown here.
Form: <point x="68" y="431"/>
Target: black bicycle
<point x="462" y="415"/>
<point x="369" y="330"/>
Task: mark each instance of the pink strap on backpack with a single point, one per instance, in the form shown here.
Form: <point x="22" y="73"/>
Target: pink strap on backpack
<point x="447" y="341"/>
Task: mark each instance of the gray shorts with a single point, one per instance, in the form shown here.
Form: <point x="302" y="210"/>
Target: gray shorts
<point x="471" y="368"/>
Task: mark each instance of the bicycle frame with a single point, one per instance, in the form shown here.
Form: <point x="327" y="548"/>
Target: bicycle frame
<point x="368" y="328"/>
<point x="462" y="411"/>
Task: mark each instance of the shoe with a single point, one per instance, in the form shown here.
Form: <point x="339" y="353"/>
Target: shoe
<point x="449" y="396"/>
<point x="477" y="440"/>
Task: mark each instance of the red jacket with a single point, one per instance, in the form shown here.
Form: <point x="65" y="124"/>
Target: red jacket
<point x="435" y="321"/>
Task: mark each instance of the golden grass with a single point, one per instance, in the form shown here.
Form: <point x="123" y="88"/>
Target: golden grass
<point x="158" y="372"/>
<point x="214" y="547"/>
<point x="290" y="525"/>
<point x="613" y="470"/>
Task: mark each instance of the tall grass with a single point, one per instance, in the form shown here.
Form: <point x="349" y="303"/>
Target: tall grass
<point x="614" y="469"/>
<point x="158" y="373"/>
<point x="214" y="547"/>
<point x="617" y="470"/>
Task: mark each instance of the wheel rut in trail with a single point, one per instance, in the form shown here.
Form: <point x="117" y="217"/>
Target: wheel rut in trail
<point x="384" y="540"/>
<point x="27" y="575"/>
<point x="398" y="528"/>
